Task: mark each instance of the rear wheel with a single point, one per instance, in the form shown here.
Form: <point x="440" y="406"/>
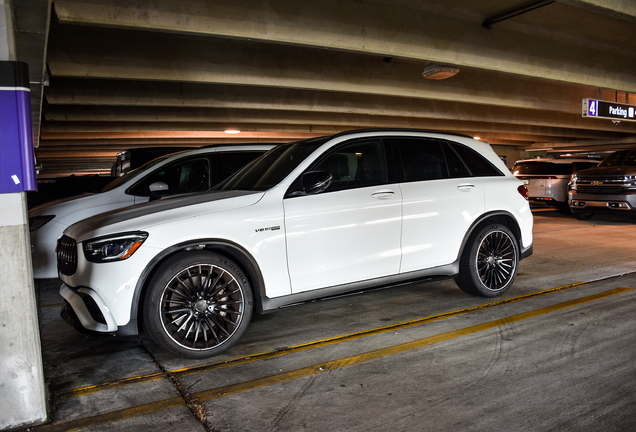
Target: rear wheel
<point x="198" y="305"/>
<point x="489" y="262"/>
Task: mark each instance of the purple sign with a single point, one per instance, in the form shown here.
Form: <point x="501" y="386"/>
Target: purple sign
<point x="17" y="160"/>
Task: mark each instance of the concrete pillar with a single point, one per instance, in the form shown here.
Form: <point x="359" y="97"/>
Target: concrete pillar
<point x="22" y="390"/>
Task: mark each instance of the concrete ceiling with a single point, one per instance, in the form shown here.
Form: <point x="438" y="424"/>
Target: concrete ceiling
<point x="112" y="75"/>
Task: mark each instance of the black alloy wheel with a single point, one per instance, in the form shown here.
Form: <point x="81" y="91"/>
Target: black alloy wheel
<point x="199" y="304"/>
<point x="490" y="262"/>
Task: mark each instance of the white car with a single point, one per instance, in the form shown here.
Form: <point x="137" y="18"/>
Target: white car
<point x="306" y="220"/>
<point x="182" y="172"/>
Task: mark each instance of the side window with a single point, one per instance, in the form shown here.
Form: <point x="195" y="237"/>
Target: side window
<point x="228" y="163"/>
<point x="192" y="175"/>
<point x="353" y="165"/>
<point x="456" y="168"/>
<point x="476" y="163"/>
<point x="422" y="159"/>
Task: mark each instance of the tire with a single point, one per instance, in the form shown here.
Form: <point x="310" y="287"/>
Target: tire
<point x="582" y="215"/>
<point x="563" y="207"/>
<point x="489" y="262"/>
<point x="198" y="304"/>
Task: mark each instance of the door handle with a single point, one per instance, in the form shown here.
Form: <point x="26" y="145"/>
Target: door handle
<point x="466" y="187"/>
<point x="383" y="194"/>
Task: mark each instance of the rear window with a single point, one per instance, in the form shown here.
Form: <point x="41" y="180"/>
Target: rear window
<point x="541" y="168"/>
<point x="476" y="163"/>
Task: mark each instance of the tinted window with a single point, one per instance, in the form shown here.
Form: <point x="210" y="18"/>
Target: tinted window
<point x="269" y="170"/>
<point x="476" y="163"/>
<point x="192" y="175"/>
<point x="422" y="159"/>
<point x="622" y="158"/>
<point x="542" y="168"/>
<point x="227" y="163"/>
<point x="357" y="164"/>
<point x="578" y="166"/>
<point x="456" y="167"/>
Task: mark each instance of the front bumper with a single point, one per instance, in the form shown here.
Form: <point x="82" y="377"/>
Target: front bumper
<point x="85" y="310"/>
<point x="602" y="202"/>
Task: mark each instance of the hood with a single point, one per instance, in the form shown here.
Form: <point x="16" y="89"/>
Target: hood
<point x="613" y="171"/>
<point x="51" y="206"/>
<point x="143" y="216"/>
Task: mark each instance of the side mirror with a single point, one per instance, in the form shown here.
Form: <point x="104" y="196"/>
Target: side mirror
<point x="157" y="190"/>
<point x="314" y="182"/>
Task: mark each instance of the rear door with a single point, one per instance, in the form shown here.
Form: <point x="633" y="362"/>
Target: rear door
<point x="440" y="201"/>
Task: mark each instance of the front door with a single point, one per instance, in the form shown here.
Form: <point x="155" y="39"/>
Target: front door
<point x="351" y="231"/>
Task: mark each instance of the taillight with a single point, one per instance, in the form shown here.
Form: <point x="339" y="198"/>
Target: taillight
<point x="523" y="190"/>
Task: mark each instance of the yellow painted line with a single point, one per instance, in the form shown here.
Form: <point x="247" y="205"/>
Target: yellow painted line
<point x="113" y="416"/>
<point x="365" y="333"/>
<point x="95" y="388"/>
<point x="312" y="370"/>
<point x="372" y="355"/>
<point x="311" y="345"/>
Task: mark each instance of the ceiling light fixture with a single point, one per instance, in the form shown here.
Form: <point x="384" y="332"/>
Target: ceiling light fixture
<point x="437" y="72"/>
<point x="232" y="131"/>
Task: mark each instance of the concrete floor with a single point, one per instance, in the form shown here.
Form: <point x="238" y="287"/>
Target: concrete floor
<point x="420" y="357"/>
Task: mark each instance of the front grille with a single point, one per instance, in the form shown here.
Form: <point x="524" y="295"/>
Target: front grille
<point x="67" y="255"/>
<point x="610" y="190"/>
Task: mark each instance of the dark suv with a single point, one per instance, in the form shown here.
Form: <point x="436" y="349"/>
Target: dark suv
<point x="611" y="186"/>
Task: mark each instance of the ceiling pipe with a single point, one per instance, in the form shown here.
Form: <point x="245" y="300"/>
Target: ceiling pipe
<point x="488" y="22"/>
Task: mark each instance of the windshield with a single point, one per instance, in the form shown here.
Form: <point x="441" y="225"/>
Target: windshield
<point x="132" y="175"/>
<point x="622" y="158"/>
<point x="271" y="168"/>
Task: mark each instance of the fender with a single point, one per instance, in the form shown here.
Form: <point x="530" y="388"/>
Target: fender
<point x="232" y="250"/>
<point x="502" y="217"/>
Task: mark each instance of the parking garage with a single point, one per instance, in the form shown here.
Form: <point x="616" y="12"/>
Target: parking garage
<point x="553" y="353"/>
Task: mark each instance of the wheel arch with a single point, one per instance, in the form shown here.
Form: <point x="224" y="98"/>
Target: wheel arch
<point x="229" y="249"/>
<point x="500" y="217"/>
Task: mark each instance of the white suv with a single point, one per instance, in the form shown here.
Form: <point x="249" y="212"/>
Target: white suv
<point x="306" y="220"/>
<point x="182" y="172"/>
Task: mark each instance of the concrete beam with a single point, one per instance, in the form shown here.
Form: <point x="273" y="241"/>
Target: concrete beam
<point x="413" y="30"/>
<point x="441" y="114"/>
<point x="121" y="93"/>
<point x="144" y="56"/>
<point x="620" y="9"/>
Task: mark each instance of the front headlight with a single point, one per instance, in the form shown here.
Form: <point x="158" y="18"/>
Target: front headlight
<point x="630" y="182"/>
<point x="572" y="184"/>
<point x="38" y="222"/>
<point x="113" y="248"/>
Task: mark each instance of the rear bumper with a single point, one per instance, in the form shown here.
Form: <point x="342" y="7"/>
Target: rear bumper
<point x="525" y="253"/>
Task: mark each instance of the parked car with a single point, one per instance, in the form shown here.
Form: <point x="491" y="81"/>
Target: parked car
<point x="130" y="159"/>
<point x="547" y="179"/>
<point x="306" y="220"/>
<point x="609" y="187"/>
<point x="182" y="172"/>
<point x="55" y="188"/>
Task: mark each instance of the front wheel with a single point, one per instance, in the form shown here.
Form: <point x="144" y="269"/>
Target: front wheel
<point x="198" y="304"/>
<point x="489" y="262"/>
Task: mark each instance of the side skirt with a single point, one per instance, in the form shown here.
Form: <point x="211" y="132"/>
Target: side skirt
<point x="429" y="275"/>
